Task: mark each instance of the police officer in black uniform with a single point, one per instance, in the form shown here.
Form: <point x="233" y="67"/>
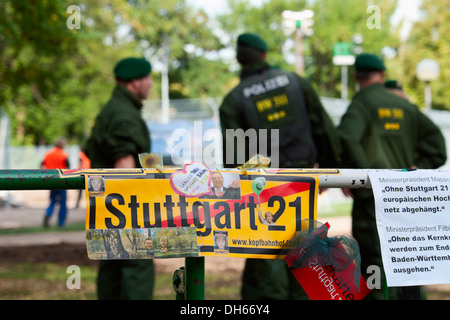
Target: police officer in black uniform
<point x="270" y="98"/>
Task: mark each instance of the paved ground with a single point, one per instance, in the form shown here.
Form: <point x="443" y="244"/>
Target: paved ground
<point x="31" y="214"/>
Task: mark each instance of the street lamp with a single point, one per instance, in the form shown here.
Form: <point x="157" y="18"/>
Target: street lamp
<point x="428" y="70"/>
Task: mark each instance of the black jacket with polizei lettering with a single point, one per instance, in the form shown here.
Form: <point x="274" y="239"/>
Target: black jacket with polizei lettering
<point x="271" y="98"/>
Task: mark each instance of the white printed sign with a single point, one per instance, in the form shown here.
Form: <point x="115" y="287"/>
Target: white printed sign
<point x="413" y="220"/>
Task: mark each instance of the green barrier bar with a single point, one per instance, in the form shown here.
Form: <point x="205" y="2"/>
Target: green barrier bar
<point x="195" y="278"/>
<point x="50" y="179"/>
<point x="37" y="180"/>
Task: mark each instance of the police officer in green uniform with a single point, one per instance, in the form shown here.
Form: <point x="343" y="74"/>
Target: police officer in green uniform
<point x="383" y="131"/>
<point x="118" y="136"/>
<point x="270" y="98"/>
<point x="396" y="88"/>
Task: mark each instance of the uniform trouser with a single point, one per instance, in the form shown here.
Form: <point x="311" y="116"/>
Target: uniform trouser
<point x="364" y="230"/>
<point x="125" y="280"/>
<point x="58" y="196"/>
<point x="266" y="279"/>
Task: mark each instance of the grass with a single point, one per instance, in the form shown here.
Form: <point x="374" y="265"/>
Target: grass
<point x="80" y="226"/>
<point x="342" y="209"/>
<point x="44" y="281"/>
<point x="47" y="281"/>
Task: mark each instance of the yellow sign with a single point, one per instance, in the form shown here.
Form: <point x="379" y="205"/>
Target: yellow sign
<point x="151" y="215"/>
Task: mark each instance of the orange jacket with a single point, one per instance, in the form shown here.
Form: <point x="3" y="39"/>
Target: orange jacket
<point x="56" y="158"/>
<point x="85" y="163"/>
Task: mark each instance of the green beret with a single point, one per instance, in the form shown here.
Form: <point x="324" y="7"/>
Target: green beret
<point x="392" y="84"/>
<point x="369" y="62"/>
<point x="132" y="68"/>
<point x="253" y="40"/>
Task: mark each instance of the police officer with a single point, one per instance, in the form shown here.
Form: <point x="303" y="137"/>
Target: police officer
<point x="396" y="88"/>
<point x="382" y="131"/>
<point x="118" y="136"/>
<point x="270" y="98"/>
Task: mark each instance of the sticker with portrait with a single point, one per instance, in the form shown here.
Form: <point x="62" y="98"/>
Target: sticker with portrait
<point x="154" y="243"/>
<point x="96" y="185"/>
<point x="221" y="242"/>
<point x="224" y="185"/>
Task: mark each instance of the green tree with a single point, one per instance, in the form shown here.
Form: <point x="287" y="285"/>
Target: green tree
<point x="264" y="20"/>
<point x="333" y="21"/>
<point x="55" y="79"/>
<point x="33" y="40"/>
<point x="173" y="30"/>
<point x="429" y="38"/>
<point x="339" y="21"/>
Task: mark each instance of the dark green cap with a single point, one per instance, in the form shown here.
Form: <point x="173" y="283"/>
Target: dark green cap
<point x="132" y="68"/>
<point x="393" y="84"/>
<point x="369" y="62"/>
<point x="253" y="40"/>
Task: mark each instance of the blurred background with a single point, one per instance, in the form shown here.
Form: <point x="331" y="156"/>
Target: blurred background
<point x="57" y="59"/>
<point x="56" y="62"/>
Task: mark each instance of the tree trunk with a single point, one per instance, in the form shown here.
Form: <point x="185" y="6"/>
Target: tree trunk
<point x="113" y="245"/>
